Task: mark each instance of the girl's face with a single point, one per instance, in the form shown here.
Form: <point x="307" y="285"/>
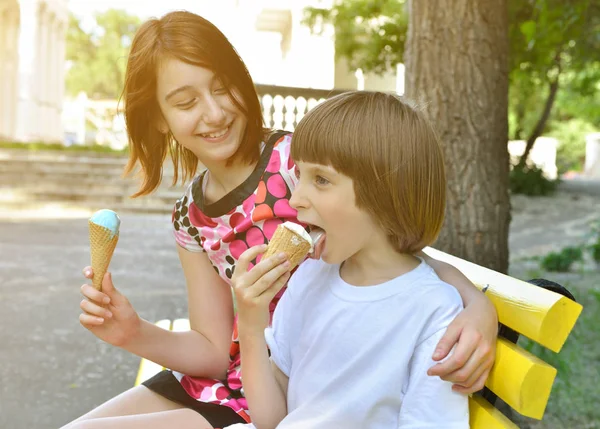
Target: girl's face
<point x="198" y="111"/>
<point x="325" y="198"/>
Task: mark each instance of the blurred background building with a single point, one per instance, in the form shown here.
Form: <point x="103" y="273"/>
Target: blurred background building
<point x="32" y="60"/>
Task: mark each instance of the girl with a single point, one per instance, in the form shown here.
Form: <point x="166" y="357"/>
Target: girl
<point x="352" y="338"/>
<point x="188" y="94"/>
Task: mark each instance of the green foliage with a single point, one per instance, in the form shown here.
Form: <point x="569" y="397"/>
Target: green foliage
<point x="98" y="56"/>
<point x="370" y="34"/>
<point x="42" y="146"/>
<point x="563" y="260"/>
<point x="530" y="180"/>
<point x="595" y="248"/>
<point x="551" y="41"/>
<point x="571" y="134"/>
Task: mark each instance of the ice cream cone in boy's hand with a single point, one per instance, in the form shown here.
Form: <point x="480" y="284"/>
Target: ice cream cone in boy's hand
<point x="104" y="234"/>
<point x="291" y="239"/>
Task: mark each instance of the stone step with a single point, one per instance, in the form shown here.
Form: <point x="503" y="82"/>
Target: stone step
<point x="18" y="200"/>
<point x="81" y="180"/>
<point x="13" y="206"/>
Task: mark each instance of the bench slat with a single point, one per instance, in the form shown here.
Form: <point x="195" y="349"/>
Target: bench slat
<point x="521" y="379"/>
<point x="148" y="368"/>
<point x="541" y="315"/>
<point x="483" y="415"/>
<point x="181" y="325"/>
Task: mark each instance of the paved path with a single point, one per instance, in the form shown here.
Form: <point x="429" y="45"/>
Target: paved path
<point x="52" y="370"/>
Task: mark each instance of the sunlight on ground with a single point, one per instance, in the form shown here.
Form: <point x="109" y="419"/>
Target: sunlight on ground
<point x="45" y="212"/>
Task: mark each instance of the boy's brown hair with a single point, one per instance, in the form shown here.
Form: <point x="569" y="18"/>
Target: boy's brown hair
<point x="392" y="154"/>
<point x="194" y="40"/>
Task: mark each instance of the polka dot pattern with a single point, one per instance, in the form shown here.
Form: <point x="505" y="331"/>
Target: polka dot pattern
<point x="224" y="239"/>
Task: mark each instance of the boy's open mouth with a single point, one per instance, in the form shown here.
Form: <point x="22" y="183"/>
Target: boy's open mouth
<point x="318" y="236"/>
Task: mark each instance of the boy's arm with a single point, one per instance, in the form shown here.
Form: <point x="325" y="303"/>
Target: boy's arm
<point x="474" y="332"/>
<point x="265" y="395"/>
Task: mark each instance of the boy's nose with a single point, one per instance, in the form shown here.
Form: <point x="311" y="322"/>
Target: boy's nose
<point x="297" y="200"/>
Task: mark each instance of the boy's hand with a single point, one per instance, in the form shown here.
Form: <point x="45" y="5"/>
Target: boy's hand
<point x="255" y="288"/>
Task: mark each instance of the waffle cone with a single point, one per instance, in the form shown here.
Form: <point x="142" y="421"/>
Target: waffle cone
<point x="293" y="245"/>
<point x="102" y="246"/>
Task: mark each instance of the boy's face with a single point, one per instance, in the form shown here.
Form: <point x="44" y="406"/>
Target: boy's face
<point x="325" y="198"/>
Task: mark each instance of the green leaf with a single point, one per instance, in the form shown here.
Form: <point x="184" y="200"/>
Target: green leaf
<point x="528" y="29"/>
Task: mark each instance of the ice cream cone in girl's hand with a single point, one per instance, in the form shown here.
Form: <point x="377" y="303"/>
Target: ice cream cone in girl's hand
<point x="104" y="235"/>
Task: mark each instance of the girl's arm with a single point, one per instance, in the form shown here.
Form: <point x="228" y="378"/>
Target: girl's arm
<point x="204" y="350"/>
<point x="474" y="332"/>
<point x="254" y="290"/>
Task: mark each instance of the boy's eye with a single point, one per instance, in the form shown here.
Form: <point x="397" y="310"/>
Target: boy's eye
<point x="321" y="180"/>
<point x="297" y="172"/>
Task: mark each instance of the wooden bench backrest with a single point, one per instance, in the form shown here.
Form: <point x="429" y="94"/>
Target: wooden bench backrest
<point x="519" y="378"/>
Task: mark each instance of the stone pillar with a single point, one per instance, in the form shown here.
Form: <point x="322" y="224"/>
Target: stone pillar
<point x="42" y="73"/>
<point x="592" y="155"/>
<point x="50" y="73"/>
<point x="4" y="29"/>
<point x="28" y="114"/>
<point x="61" y="34"/>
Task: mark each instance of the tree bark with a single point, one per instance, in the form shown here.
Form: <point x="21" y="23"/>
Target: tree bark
<point x="457" y="66"/>
<point x="541" y="123"/>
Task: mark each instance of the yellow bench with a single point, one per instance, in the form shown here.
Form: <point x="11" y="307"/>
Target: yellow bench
<point x="519" y="378"/>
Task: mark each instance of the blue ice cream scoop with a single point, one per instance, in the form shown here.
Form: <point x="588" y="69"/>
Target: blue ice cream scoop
<point x="108" y="219"/>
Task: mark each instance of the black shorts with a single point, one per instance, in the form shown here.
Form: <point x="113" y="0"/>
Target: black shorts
<point x="165" y="384"/>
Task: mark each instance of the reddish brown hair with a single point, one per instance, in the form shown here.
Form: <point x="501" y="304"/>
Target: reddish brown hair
<point x="392" y="154"/>
<point x="194" y="40"/>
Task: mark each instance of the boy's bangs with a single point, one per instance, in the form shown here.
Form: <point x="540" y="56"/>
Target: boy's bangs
<point x="324" y="136"/>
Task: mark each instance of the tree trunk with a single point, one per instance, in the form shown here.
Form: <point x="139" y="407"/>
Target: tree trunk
<point x="457" y="66"/>
<point x="541" y="123"/>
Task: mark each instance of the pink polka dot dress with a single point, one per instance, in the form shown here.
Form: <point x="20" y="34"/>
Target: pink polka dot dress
<point x="246" y="217"/>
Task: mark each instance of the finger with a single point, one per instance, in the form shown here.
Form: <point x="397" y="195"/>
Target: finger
<point x="461" y="375"/>
<point x="264" y="267"/>
<point x="88" y="272"/>
<point x="445" y="344"/>
<point x="91" y="293"/>
<point x="109" y="288"/>
<point x="462" y="353"/>
<point x="88" y="321"/>
<point x="270" y="293"/>
<point x="465" y="378"/>
<point x="94" y="309"/>
<point x="268" y="280"/>
<point x="249" y="255"/>
<point x="475" y="387"/>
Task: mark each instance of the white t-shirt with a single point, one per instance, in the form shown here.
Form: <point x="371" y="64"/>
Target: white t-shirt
<point x="357" y="357"/>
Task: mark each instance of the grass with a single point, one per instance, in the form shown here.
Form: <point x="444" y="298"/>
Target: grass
<point x="42" y="146"/>
<point x="576" y="393"/>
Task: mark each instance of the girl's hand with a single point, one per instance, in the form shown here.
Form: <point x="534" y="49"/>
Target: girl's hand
<point x="255" y="288"/>
<point x="474" y="332"/>
<point x="108" y="314"/>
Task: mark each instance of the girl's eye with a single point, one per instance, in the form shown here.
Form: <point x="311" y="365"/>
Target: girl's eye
<point x="320" y="180"/>
<point x="220" y="91"/>
<point x="185" y="106"/>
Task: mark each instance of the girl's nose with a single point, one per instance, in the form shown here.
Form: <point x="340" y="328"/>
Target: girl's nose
<point x="214" y="113"/>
